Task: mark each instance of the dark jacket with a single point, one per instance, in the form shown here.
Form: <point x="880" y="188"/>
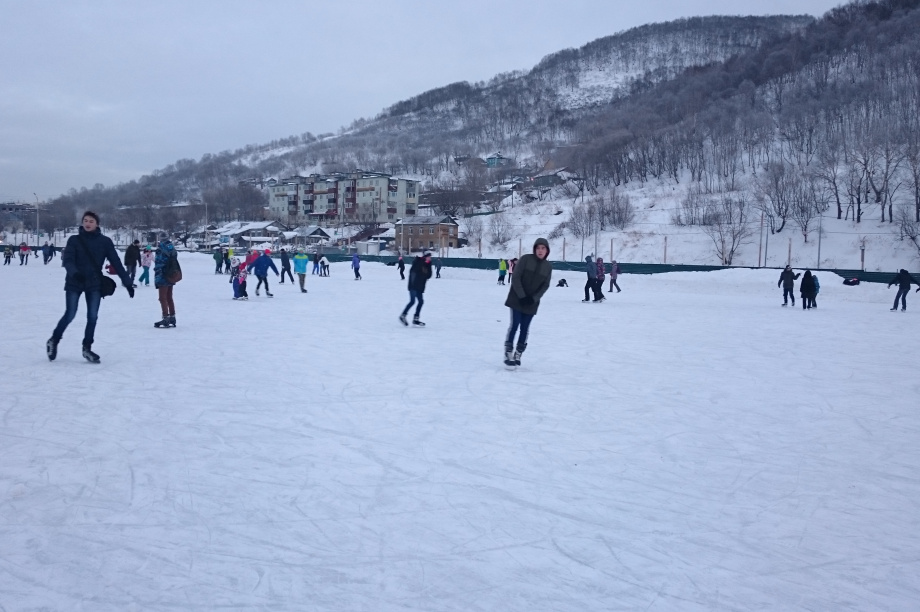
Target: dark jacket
<point x="285" y="261"/>
<point x="133" y="255"/>
<point x="401" y="264"/>
<point x="903" y="280"/>
<point x="84" y="270"/>
<point x="807" y="286"/>
<point x="591" y="267"/>
<point x="787" y="279"/>
<point x="419" y="274"/>
<point x="260" y="266"/>
<point x="531" y="278"/>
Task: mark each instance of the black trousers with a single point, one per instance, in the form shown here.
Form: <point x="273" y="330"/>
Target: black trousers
<point x="283" y="272"/>
<point x="788" y="295"/>
<point x="263" y="279"/>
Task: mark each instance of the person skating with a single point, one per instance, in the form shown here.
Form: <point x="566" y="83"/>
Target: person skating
<point x="787" y="280"/>
<point x="228" y="255"/>
<point x="218" y="258"/>
<point x="7" y="255"/>
<point x="46" y="253"/>
<point x="903" y="279"/>
<point x="260" y="268"/>
<point x="133" y="259"/>
<point x="599" y="283"/>
<point x="300" y="267"/>
<point x="532" y="277"/>
<point x="591" y="282"/>
<point x="24" y="252"/>
<point x="165" y="277"/>
<point x="401" y="266"/>
<point x="511" y="263"/>
<point x="315" y="263"/>
<point x="82" y="258"/>
<point x="356" y="265"/>
<point x="147" y="260"/>
<point x="437" y="268"/>
<point x="814" y="297"/>
<point x="502" y="270"/>
<point x="807" y="290"/>
<point x="238" y="279"/>
<point x="323" y="266"/>
<point x="614" y="272"/>
<point x="419" y="273"/>
<point x="285" y="267"/>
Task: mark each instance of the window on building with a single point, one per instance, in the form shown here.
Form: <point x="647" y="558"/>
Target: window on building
<point x="410" y="231"/>
<point x="431" y="230"/>
<point x="430" y="244"/>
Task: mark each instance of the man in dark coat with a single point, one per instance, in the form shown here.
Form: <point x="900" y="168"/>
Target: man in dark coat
<point x="83" y="257"/>
<point x="401" y="265"/>
<point x="419" y="274"/>
<point x="591" y="269"/>
<point x="285" y="266"/>
<point x="787" y="280"/>
<point x="531" y="279"/>
<point x="902" y="279"/>
<point x="807" y="288"/>
<point x="133" y="259"/>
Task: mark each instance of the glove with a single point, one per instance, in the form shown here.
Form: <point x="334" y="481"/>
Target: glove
<point x="130" y="291"/>
<point x="526" y="301"/>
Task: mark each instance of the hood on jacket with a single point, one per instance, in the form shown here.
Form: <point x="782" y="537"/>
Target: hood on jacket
<point x="903" y="271"/>
<point x="538" y="242"/>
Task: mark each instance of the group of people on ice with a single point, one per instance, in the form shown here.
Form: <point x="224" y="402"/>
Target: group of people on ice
<point x="808" y="288"/>
<point x="597" y="273"/>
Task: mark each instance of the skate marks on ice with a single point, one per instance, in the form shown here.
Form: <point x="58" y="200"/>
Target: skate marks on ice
<point x="684" y="445"/>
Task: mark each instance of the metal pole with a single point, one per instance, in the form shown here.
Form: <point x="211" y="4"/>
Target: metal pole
<point x="665" y="249"/>
<point x="760" y="247"/>
<point x="563" y="248"/>
<point x="862" y="257"/>
<point x="766" y="248"/>
<point x="611" y="249"/>
<point x="789" y="258"/>
<point x="820" y="224"/>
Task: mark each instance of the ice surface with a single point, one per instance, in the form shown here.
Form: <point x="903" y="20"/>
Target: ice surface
<point x="687" y="445"/>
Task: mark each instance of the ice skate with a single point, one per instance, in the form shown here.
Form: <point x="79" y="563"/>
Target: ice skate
<point x="416" y="322"/>
<point x="162" y="323"/>
<point x="402" y="319"/>
<point x="517" y="357"/>
<point x="509" y="359"/>
<point x="89" y="355"/>
<point x="172" y="320"/>
<point x="51" y="349"/>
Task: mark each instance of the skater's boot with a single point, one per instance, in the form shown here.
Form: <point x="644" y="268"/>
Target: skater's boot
<point x="172" y="320"/>
<point x="509" y="356"/>
<point x="895" y="309"/>
<point x="164" y="322"/>
<point x="51" y="348"/>
<point x="89" y="355"/>
<point x="415" y="321"/>
<point x="402" y="319"/>
<point x="269" y="294"/>
<point x="517" y="354"/>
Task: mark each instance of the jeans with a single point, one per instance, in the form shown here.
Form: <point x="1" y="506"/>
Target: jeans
<point x="787" y="294"/>
<point x="166" y="300"/>
<point x="414" y="295"/>
<point x="132" y="271"/>
<point x="901" y="295"/>
<point x="93" y="298"/>
<point x="145" y="276"/>
<point x="599" y="289"/>
<point x="357" y="273"/>
<point x="315" y="267"/>
<point x="522" y="321"/>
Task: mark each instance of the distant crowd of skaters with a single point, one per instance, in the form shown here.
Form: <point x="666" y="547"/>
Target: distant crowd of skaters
<point x="86" y="252"/>
<point x="48" y="252"/>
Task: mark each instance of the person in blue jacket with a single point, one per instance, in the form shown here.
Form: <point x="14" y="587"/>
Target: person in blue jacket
<point x="356" y="264"/>
<point x="83" y="257"/>
<point x="260" y="267"/>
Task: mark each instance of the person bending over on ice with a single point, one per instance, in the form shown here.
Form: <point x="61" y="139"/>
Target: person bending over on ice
<point x="532" y="276"/>
<point x="902" y="279"/>
<point x="787" y="280"/>
<point x="419" y="274"/>
<point x="260" y="267"/>
<point x="83" y="257"/>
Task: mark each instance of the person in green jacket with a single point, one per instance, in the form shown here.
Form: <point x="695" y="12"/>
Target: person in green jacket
<point x="219" y="261"/>
<point x="531" y="279"/>
<point x="502" y="269"/>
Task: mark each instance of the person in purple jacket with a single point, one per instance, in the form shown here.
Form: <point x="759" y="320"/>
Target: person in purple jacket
<point x="260" y="267"/>
<point x="356" y="264"/>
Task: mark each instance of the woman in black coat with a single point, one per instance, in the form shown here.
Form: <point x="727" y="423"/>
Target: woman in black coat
<point x="531" y="279"/>
<point x="807" y="289"/>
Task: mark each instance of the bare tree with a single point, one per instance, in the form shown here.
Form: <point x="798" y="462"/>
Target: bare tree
<point x="774" y="189"/>
<point x="500" y="230"/>
<point x="472" y="228"/>
<point x="730" y="227"/>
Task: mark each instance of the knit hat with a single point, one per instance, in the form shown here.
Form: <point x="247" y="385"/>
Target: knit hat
<point x="267" y="252"/>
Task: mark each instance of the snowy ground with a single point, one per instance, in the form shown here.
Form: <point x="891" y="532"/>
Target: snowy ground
<point x="687" y="445"/>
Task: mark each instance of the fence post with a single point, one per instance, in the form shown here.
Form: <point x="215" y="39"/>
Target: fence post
<point x="789" y="258"/>
<point x="665" y="249"/>
<point x="563" y="248"/>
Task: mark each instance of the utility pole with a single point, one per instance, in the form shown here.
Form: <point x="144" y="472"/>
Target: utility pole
<point x="36" y="216"/>
<point x="820" y="224"/>
<point x="760" y="247"/>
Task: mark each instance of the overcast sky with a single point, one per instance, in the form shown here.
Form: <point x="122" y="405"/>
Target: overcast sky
<point x="105" y="91"/>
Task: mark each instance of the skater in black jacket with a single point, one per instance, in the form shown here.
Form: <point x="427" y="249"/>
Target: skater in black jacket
<point x="902" y="279"/>
<point x="787" y="279"/>
<point x="531" y="279"/>
<point x="419" y="274"/>
<point x="807" y="289"/>
<point x="83" y="257"/>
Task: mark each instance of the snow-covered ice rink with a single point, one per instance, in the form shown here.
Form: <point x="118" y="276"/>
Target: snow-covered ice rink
<point x="687" y="445"/>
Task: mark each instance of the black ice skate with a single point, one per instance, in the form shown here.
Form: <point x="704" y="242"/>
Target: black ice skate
<point x="509" y="358"/>
<point x="416" y="322"/>
<point x="89" y="355"/>
<point x="51" y="348"/>
<point x="402" y="319"/>
<point x="162" y="323"/>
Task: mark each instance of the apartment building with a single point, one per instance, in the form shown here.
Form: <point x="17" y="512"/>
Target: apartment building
<point x="355" y="197"/>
